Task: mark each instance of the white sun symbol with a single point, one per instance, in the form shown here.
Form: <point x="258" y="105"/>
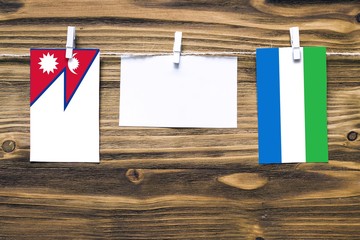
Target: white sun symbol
<point x="73" y="64"/>
<point x="48" y="63"/>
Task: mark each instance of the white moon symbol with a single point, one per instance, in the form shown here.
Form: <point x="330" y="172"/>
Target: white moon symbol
<point x="73" y="64"/>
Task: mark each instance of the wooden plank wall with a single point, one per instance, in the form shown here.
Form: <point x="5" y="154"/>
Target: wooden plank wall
<point x="180" y="183"/>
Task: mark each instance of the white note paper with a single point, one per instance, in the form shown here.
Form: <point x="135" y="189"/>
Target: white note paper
<point x="200" y="92"/>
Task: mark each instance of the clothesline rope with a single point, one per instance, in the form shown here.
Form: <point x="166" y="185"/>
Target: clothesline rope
<point x="127" y="54"/>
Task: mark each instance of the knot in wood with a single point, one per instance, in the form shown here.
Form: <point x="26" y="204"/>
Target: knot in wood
<point x="352" y="136"/>
<point x="8" y="146"/>
<point x="259" y="238"/>
<point x="135" y="176"/>
<point x="358" y="18"/>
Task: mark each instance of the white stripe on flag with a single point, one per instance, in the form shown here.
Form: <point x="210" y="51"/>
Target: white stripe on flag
<point x="292" y="109"/>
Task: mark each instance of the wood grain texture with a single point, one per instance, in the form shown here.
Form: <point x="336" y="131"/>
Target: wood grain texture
<point x="166" y="183"/>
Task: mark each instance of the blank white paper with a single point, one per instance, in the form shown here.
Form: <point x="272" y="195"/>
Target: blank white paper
<point x="200" y="92"/>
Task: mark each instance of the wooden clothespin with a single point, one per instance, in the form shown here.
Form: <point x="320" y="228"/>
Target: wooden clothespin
<point x="177" y="47"/>
<point x="295" y="42"/>
<point x="70" y="42"/>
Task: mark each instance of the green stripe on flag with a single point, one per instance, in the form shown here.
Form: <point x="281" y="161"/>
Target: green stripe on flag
<point x="315" y="104"/>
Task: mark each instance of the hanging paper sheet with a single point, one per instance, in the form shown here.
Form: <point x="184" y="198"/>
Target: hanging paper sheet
<point x="292" y="119"/>
<point x="64" y="106"/>
<point x="198" y="92"/>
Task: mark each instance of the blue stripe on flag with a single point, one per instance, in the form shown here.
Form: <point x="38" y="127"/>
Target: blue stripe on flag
<point x="268" y="96"/>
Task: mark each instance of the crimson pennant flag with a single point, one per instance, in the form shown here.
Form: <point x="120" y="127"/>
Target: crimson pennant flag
<point x="64" y="105"/>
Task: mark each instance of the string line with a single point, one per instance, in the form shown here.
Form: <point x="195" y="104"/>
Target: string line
<point x="129" y="54"/>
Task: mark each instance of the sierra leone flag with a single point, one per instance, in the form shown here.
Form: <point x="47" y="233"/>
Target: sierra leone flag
<point x="291" y="95"/>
